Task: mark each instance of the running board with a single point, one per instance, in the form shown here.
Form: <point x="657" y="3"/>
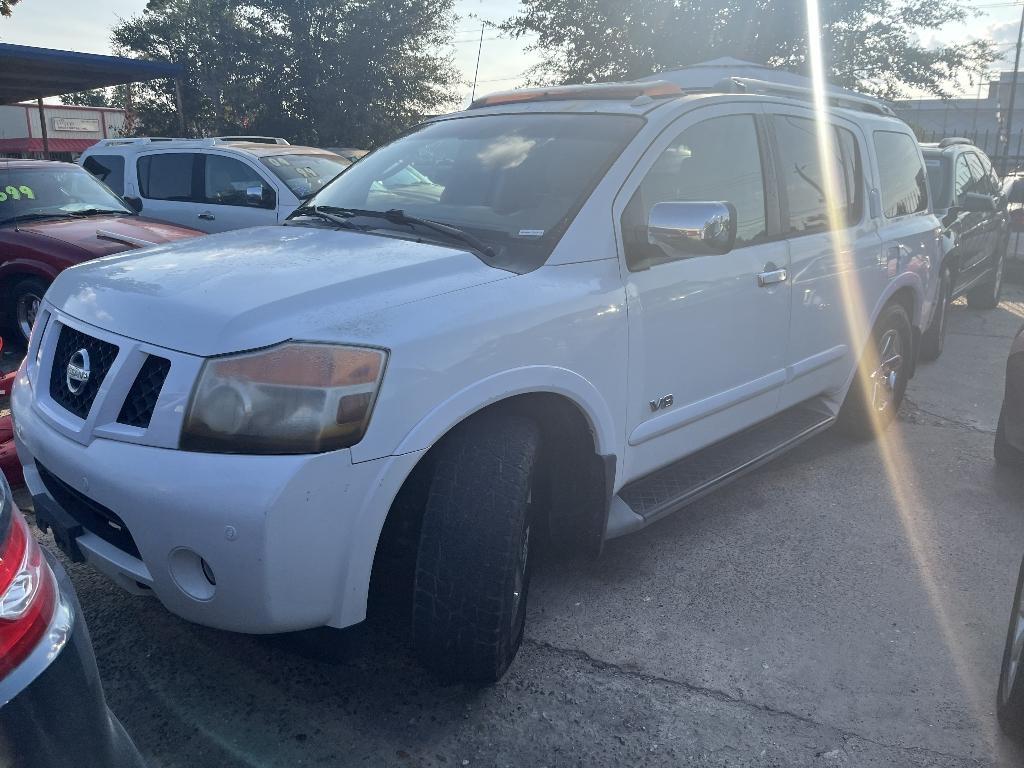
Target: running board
<point x="670" y="488"/>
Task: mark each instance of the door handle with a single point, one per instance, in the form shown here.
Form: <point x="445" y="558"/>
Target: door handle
<point x="772" y="276"/>
<point x="207" y="216"/>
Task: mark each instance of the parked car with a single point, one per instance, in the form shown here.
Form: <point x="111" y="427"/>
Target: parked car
<point x="212" y="184"/>
<point x="1010" y="695"/>
<point x="967" y="196"/>
<point x="1009" y="446"/>
<point x="53" y="215"/>
<point x="610" y="309"/>
<point x="52" y="709"/>
<point x="1013" y="191"/>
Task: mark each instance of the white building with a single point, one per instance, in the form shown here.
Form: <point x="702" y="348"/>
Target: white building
<point x="70" y="130"/>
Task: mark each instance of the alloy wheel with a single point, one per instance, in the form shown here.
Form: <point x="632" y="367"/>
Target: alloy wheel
<point x="885" y="378"/>
<point x="27" y="308"/>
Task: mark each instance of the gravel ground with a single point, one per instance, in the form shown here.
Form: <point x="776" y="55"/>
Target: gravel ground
<point x="845" y="606"/>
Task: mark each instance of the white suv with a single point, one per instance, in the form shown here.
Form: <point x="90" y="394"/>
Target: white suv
<point x="563" y="314"/>
<point x="212" y="184"/>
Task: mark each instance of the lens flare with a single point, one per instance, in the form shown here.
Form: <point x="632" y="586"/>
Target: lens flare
<point x="907" y="501"/>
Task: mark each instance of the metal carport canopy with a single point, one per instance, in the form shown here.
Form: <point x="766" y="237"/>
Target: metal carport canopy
<point x="28" y="73"/>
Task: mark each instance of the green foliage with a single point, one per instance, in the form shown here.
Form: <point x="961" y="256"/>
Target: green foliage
<point x="322" y="72"/>
<point x="6" y="6"/>
<point x="871" y="45"/>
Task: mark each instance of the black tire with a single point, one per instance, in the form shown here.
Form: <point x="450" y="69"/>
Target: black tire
<point x="1010" y="695"/>
<point x="987" y="295"/>
<point x="861" y="415"/>
<point x="27" y="292"/>
<point x="933" y="341"/>
<point x="473" y="565"/>
<point x="1006" y="454"/>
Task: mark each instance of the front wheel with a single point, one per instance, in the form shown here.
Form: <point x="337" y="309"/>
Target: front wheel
<point x="987" y="295"/>
<point x="1010" y="696"/>
<point x="474" y="560"/>
<point x="882" y="376"/>
<point x="25" y="298"/>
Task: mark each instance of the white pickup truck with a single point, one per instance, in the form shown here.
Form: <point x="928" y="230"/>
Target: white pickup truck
<point x="563" y="313"/>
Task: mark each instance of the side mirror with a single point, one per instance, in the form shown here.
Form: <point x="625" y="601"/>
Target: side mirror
<point x="260" y="196"/>
<point x="134" y="203"/>
<point x="977" y="202"/>
<point x="696" y="229"/>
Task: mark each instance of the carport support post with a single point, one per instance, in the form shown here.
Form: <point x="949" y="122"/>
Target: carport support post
<point x="179" y="102"/>
<point x="42" y="126"/>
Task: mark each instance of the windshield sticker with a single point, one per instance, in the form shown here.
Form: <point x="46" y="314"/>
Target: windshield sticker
<point x="531" y="233"/>
<point x="16" y="193"/>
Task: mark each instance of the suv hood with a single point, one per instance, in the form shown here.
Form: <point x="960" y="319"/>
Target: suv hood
<point x="252" y="288"/>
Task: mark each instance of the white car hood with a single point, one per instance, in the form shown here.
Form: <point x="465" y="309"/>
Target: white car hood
<point x="256" y="287"/>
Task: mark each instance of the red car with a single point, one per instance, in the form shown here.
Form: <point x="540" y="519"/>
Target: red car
<point x="54" y="215"/>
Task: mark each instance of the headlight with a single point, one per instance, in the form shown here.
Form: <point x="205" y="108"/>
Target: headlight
<point x="293" y="398"/>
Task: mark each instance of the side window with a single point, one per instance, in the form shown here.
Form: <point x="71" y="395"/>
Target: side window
<point x="902" y="178"/>
<point x="168" y="176"/>
<point x="979" y="179"/>
<point x="107" y="168"/>
<point x="718" y="160"/>
<point x="994" y="184"/>
<point x="803" y="177"/>
<point x="961" y="178"/>
<point x="231" y="182"/>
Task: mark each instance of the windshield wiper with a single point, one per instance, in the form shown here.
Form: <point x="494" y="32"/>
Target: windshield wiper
<point x="398" y="216"/>
<point x="23" y="217"/>
<point x="317" y="212"/>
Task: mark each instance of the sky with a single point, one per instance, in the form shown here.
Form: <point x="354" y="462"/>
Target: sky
<point x="84" y="25"/>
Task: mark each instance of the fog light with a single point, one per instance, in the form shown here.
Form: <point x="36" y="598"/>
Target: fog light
<point x="192" y="574"/>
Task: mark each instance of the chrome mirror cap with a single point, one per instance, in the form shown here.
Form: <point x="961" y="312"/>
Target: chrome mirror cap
<point x="695" y="229"/>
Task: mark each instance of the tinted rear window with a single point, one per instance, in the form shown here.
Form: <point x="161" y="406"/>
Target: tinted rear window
<point x="167" y="176"/>
<point x="903" y="180"/>
<point x="107" y="168"/>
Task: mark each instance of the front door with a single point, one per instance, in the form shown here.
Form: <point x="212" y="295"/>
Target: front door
<point x="707" y="337"/>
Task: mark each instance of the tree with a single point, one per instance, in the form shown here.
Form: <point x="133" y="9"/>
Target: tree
<point x="871" y="45"/>
<point x="326" y="72"/>
<point x="6" y="6"/>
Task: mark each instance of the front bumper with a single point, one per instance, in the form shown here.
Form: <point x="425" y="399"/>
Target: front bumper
<point x="288" y="540"/>
<point x="60" y="719"/>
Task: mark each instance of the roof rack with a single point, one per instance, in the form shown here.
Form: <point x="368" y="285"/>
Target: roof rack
<point x="255" y="139"/>
<point x="953" y="141"/>
<point x="606" y="91"/>
<point x="766" y="87"/>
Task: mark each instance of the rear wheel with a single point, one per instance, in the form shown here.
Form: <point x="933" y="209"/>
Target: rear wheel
<point x="987" y="295"/>
<point x="882" y="376"/>
<point x="1006" y="454"/>
<point x="934" y="339"/>
<point x="474" y="560"/>
<point x="25" y="298"/>
<point x="1010" y="696"/>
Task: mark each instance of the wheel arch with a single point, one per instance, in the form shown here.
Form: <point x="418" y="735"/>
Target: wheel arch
<point x="575" y="473"/>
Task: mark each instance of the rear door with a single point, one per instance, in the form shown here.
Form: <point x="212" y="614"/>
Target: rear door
<point x="170" y="187"/>
<point x="834" y="247"/>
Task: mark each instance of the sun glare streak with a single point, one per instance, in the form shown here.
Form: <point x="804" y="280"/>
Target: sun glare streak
<point x="901" y="479"/>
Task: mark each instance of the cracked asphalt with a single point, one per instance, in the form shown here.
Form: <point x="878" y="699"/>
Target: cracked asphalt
<point x="844" y="606"/>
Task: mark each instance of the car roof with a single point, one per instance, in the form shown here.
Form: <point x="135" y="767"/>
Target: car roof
<point x="148" y="144"/>
<point x="17" y="162"/>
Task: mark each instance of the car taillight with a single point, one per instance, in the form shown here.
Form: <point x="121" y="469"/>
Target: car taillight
<point x="28" y="593"/>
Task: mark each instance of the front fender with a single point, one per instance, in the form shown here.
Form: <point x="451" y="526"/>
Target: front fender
<point x="505" y="384"/>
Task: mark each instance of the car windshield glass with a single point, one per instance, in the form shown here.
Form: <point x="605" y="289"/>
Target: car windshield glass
<point x="305" y="174"/>
<point x="53" y="191"/>
<point x="937" y="181"/>
<point x="513" y="181"/>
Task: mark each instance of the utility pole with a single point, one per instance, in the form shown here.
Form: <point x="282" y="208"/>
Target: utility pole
<point x="480" y="47"/>
<point x="1013" y="95"/>
<point x="42" y="126"/>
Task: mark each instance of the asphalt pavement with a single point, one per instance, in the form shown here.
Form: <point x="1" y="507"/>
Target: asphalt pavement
<point x="844" y="606"/>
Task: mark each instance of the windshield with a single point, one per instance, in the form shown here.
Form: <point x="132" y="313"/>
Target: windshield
<point x="513" y="181"/>
<point x="305" y="174"/>
<point x="938" y="181"/>
<point x="53" y="191"/>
